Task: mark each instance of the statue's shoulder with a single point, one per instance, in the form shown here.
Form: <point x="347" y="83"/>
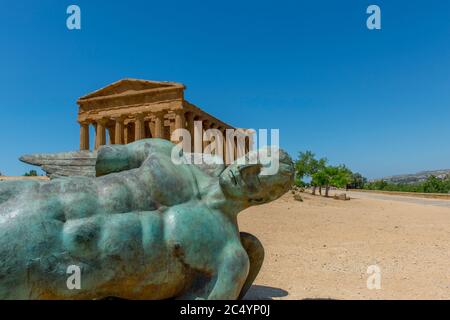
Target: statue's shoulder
<point x="14" y="188"/>
<point x="117" y="157"/>
<point x="152" y="146"/>
<point x="210" y="165"/>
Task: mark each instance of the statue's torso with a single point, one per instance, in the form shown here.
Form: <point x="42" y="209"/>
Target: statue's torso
<point x="137" y="255"/>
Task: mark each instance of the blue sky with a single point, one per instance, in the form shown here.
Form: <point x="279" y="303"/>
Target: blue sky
<point x="378" y="101"/>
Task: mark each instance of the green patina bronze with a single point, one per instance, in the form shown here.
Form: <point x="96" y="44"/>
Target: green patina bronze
<point x="144" y="228"/>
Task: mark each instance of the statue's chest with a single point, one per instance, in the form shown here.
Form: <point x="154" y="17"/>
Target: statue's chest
<point x="168" y="183"/>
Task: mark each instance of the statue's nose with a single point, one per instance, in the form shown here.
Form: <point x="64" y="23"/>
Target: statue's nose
<point x="287" y="172"/>
<point x="286" y="168"/>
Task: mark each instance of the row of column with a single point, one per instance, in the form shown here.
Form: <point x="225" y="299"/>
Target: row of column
<point x="119" y="133"/>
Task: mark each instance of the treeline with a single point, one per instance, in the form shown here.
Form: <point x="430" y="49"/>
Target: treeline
<point x="431" y="185"/>
<point x="324" y="176"/>
<point x="317" y="174"/>
<point x="31" y="173"/>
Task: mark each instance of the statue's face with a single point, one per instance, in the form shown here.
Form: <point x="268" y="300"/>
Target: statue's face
<point x="248" y="182"/>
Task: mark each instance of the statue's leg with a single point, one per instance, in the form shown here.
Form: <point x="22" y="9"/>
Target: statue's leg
<point x="255" y="252"/>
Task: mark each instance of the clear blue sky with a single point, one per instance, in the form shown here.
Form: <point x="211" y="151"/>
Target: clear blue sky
<point x="378" y="101"/>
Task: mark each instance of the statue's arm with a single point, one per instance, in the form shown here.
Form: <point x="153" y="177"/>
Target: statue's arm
<point x="227" y="279"/>
<point x="255" y="252"/>
<point x="10" y="189"/>
<point x="117" y="157"/>
<point x="231" y="274"/>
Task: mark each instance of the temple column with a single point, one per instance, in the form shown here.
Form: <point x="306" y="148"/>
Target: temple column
<point x="206" y="124"/>
<point x="139" y="129"/>
<point x="151" y="126"/>
<point x="168" y="134"/>
<point x="125" y="134"/>
<point x="180" y="123"/>
<point x="119" y="130"/>
<point x="251" y="140"/>
<point x="222" y="137"/>
<point x="84" y="136"/>
<point x="111" y="135"/>
<point x="197" y="135"/>
<point x="241" y="142"/>
<point x="216" y="143"/>
<point x="190" y="126"/>
<point x="180" y="120"/>
<point x="159" y="125"/>
<point x="100" y="133"/>
<point x="224" y="146"/>
<point x="229" y="146"/>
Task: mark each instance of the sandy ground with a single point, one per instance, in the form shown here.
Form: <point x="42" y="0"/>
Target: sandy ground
<point x="12" y="178"/>
<point x="321" y="248"/>
<point x="408" y="199"/>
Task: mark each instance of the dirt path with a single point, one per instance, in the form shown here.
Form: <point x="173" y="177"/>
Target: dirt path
<point x="321" y="248"/>
<point x="422" y="201"/>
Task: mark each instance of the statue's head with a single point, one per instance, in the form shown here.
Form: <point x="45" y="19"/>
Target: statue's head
<point x="259" y="178"/>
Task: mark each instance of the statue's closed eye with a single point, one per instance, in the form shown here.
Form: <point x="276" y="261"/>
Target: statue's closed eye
<point x="249" y="174"/>
<point x="250" y="170"/>
<point x="233" y="177"/>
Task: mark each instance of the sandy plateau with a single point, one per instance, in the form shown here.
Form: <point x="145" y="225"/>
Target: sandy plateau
<point x="321" y="248"/>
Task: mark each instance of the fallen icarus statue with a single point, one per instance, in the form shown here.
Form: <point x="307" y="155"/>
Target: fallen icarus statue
<point x="144" y="228"/>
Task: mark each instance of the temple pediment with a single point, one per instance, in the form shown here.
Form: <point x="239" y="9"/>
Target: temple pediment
<point x="127" y="87"/>
<point x="131" y="92"/>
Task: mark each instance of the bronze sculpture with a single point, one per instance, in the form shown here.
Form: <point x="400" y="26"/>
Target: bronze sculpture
<point x="144" y="228"/>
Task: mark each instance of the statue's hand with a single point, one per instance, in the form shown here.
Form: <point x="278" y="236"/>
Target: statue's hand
<point x="112" y="158"/>
<point x="116" y="158"/>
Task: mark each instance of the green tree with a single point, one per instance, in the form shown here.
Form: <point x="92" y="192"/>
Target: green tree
<point x="333" y="176"/>
<point x="304" y="164"/>
<point x="307" y="166"/>
<point x="341" y="177"/>
<point x="300" y="183"/>
<point x="320" y="179"/>
<point x="31" y="173"/>
<point x="433" y="185"/>
<point x="357" y="181"/>
<point x="377" y="185"/>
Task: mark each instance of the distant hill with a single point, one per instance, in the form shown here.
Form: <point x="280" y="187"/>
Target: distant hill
<point x="416" y="177"/>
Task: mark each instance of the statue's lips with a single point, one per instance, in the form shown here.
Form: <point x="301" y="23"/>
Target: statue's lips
<point x="257" y="200"/>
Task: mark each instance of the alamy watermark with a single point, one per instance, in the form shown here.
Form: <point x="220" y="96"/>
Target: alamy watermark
<point x="374" y="20"/>
<point x="240" y="146"/>
<point x="73" y="21"/>
<point x="74" y="280"/>
<point x="374" y="278"/>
